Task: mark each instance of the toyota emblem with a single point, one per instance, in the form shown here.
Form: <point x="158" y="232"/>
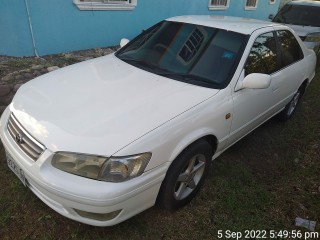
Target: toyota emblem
<point x="19" y="138"/>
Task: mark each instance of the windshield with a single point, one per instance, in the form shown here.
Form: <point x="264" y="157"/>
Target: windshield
<point x="190" y="53"/>
<point x="299" y="15"/>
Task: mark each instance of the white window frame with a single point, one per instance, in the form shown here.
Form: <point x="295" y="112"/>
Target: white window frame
<point x="218" y="7"/>
<point x="105" y="5"/>
<point x="272" y="1"/>
<point x="251" y="7"/>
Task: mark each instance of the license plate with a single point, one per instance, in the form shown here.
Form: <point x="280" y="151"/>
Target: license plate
<point x="15" y="168"/>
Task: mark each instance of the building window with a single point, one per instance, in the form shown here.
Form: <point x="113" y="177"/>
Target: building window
<point x="218" y="4"/>
<point x="105" y="4"/>
<point x="251" y="4"/>
<point x="191" y="46"/>
<point x="272" y="1"/>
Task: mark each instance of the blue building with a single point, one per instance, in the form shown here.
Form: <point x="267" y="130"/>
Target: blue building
<point x="41" y="27"/>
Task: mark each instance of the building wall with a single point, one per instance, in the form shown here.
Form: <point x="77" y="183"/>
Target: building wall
<point x="15" y="37"/>
<point x="59" y="26"/>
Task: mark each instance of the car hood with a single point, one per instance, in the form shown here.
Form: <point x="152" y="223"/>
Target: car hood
<point x="100" y="106"/>
<point x="303" y="31"/>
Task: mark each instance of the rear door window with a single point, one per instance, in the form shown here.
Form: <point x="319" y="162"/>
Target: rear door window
<point x="289" y="47"/>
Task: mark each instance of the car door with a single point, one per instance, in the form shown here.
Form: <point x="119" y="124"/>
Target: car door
<point x="253" y="106"/>
<point x="287" y="81"/>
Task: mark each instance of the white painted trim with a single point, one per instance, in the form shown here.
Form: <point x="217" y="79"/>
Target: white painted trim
<point x="251" y="8"/>
<point x="105" y="6"/>
<point x="221" y="7"/>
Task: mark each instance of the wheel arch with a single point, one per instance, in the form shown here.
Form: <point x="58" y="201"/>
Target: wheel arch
<point x="210" y="138"/>
<point x="213" y="141"/>
<point x="162" y="197"/>
<point x="304" y="85"/>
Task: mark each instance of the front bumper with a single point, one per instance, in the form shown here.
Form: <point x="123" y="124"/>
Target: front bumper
<point x="66" y="193"/>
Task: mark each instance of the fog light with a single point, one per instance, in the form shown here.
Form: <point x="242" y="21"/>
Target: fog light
<point x="98" y="216"/>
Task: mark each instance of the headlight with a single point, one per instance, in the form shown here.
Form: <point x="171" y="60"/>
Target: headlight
<point x="313" y="37"/>
<point x="113" y="169"/>
<point x="119" y="169"/>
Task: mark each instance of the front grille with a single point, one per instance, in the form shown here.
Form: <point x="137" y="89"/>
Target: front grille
<point x="24" y="140"/>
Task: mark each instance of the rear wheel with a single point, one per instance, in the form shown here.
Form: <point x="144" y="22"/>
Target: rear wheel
<point x="291" y="107"/>
<point x="185" y="176"/>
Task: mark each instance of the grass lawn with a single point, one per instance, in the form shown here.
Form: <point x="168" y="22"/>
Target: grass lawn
<point x="263" y="182"/>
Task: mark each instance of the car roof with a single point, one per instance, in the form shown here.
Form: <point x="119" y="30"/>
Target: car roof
<point x="235" y="24"/>
<point x="305" y="3"/>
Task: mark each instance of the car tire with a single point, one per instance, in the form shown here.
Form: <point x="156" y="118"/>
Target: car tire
<point x="185" y="176"/>
<point x="291" y="107"/>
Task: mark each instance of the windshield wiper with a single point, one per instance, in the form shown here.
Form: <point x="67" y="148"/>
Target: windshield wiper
<point x="137" y="62"/>
<point x="184" y="77"/>
<point x="190" y="78"/>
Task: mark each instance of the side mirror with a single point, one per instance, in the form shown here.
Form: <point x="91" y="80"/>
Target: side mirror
<point x="271" y="16"/>
<point x="256" y="81"/>
<point x="123" y="42"/>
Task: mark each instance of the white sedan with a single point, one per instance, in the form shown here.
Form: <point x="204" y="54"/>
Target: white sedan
<point x="105" y="139"/>
<point x="304" y="18"/>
